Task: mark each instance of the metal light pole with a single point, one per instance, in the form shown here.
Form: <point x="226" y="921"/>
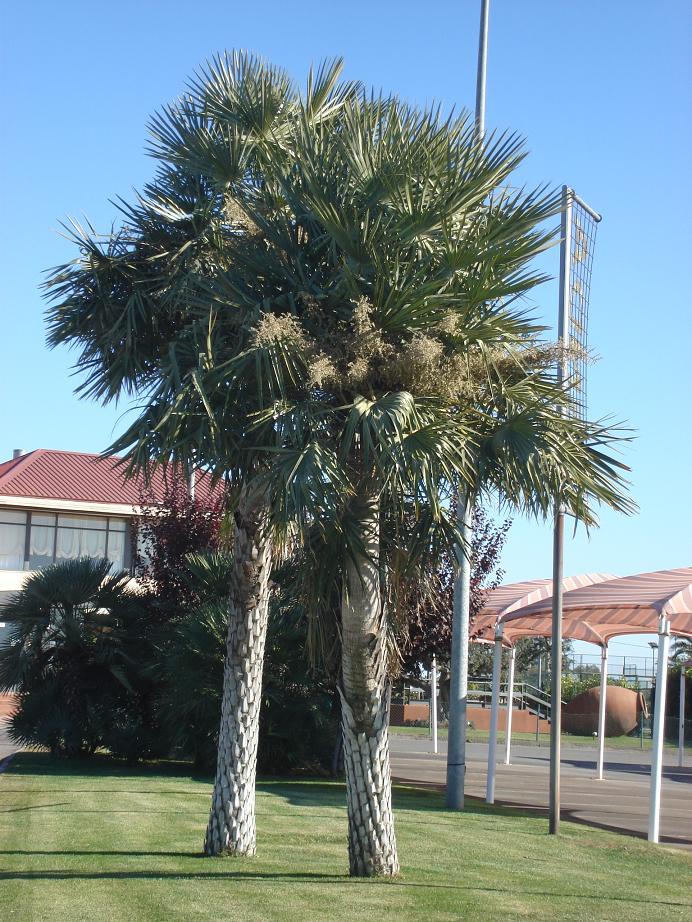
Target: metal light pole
<point x="576" y="254"/>
<point x="654" y="646"/>
<point x="558" y="537"/>
<point x="459" y="660"/>
<point x="482" y="68"/>
<point x="433" y="703"/>
<point x="556" y="675"/>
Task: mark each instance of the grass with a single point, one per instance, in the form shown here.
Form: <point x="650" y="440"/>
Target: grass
<point x="568" y="739"/>
<point x="104" y="842"/>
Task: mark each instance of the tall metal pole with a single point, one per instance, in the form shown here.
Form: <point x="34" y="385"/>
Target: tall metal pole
<point x="482" y="68"/>
<point x="459" y="660"/>
<point x="459" y="664"/>
<point x="558" y="537"/>
<point x="556" y="676"/>
<point x="433" y="702"/>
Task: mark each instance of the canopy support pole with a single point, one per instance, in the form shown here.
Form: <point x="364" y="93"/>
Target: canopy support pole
<point x="494" y="714"/>
<point x="681" y="719"/>
<point x="510" y="701"/>
<point x="602" y="710"/>
<point x="433" y="703"/>
<point x="659" y="727"/>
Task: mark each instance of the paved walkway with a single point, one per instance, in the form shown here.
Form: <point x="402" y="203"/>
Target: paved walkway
<point x="620" y="802"/>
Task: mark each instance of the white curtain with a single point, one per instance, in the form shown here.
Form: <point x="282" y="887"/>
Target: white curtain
<point x="77" y="542"/>
<point x="67" y="547"/>
<point x="41" y="549"/>
<point x="12" y="546"/>
<point x="116" y="549"/>
<point x="93" y="543"/>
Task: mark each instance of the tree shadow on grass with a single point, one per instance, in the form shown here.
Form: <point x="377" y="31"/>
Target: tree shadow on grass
<point x="300" y="791"/>
<point x="320" y="878"/>
<point x="65" y="803"/>
<point x="101" y="766"/>
<point x="572" y="817"/>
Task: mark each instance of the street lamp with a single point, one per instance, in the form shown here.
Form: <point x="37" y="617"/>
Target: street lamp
<point x="654" y="646"/>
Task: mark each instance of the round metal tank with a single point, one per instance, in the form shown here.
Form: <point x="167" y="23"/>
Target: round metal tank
<point x="623" y="708"/>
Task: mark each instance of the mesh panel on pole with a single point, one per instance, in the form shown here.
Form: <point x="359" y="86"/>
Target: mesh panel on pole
<point x="582" y="239"/>
<point x="576" y="261"/>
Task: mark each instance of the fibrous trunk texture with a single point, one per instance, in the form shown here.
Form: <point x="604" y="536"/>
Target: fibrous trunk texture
<point x="365" y="710"/>
<point x="231" y="828"/>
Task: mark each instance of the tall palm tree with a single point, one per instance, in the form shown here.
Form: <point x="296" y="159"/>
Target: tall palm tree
<point x="131" y="303"/>
<point x="359" y="350"/>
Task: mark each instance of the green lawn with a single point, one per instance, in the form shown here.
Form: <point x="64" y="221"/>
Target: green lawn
<point x="101" y="842"/>
<point x="568" y="739"/>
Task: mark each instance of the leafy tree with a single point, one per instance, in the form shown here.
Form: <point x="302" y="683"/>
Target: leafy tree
<point x="425" y="611"/>
<point x="528" y="651"/>
<point x="357" y="347"/>
<point x="173" y="526"/>
<point x="574" y="685"/>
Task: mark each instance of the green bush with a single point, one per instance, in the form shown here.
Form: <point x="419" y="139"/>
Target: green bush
<point x="94" y="666"/>
<point x="573" y="685"/>
<point x="297" y="726"/>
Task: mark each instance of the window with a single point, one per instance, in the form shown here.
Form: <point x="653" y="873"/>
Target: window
<point x="54" y="537"/>
<point x="12" y="539"/>
<point x="41" y="541"/>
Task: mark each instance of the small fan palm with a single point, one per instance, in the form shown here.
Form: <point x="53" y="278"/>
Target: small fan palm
<point x="66" y="654"/>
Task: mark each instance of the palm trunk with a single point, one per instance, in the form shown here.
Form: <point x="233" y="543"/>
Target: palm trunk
<point x="231" y="828"/>
<point x="365" y="711"/>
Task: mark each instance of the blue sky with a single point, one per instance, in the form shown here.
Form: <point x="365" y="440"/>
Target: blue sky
<point x="600" y="91"/>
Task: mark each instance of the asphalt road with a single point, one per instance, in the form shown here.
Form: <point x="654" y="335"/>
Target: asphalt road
<point x="620" y="802"/>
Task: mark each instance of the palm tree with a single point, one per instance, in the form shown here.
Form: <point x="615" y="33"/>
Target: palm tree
<point x="361" y="346"/>
<point x="131" y="303"/>
<point x="681" y="650"/>
<point x="418" y="363"/>
<point x="68" y="655"/>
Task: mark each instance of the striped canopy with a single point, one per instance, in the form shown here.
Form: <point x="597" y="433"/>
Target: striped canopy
<point x="606" y="607"/>
<point x="515" y="596"/>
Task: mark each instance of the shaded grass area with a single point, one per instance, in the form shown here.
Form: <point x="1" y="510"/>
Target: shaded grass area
<point x="101" y="841"/>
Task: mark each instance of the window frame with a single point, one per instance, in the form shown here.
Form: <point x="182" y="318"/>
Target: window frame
<point x="38" y="510"/>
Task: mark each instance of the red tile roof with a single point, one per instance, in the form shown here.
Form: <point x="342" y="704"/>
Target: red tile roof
<point x="75" y="476"/>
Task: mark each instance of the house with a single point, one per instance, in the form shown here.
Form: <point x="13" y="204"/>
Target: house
<point x="59" y="505"/>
